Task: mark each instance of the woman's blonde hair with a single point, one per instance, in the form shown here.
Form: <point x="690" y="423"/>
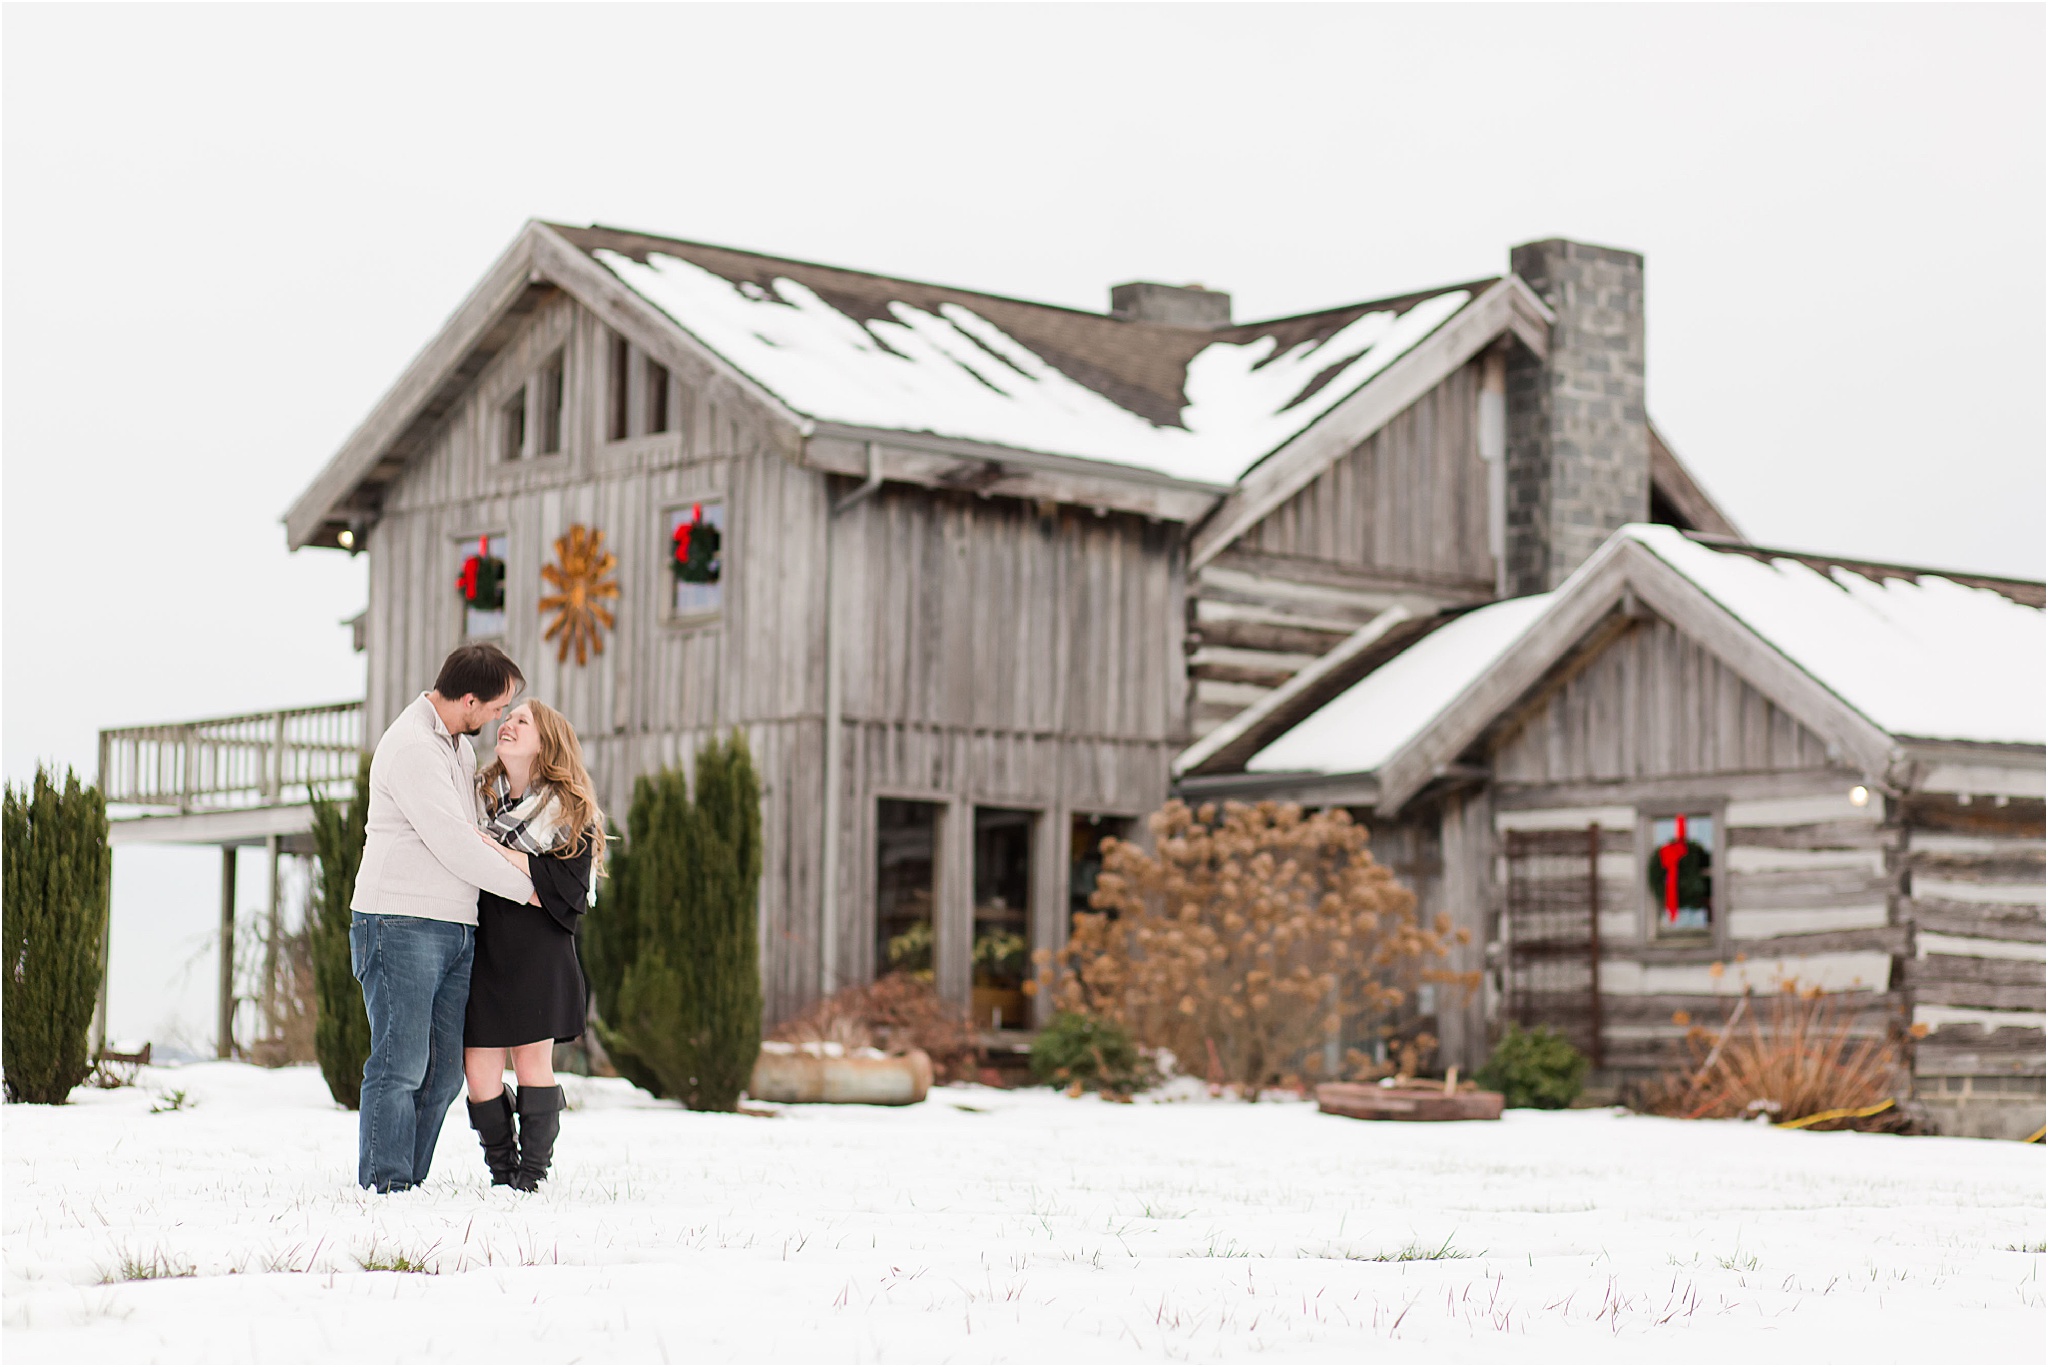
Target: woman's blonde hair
<point x="560" y="765"/>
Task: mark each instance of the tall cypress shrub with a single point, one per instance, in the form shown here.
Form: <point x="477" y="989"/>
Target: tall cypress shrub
<point x="689" y="1000"/>
<point x="341" y="1027"/>
<point x="609" y="940"/>
<point x="54" y="909"/>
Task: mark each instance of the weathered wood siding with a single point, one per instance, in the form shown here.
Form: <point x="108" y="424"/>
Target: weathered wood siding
<point x="1400" y="519"/>
<point x="1650" y="704"/>
<point x="990" y="654"/>
<point x="660" y="688"/>
<point x="1974" y="875"/>
<point x="996" y="656"/>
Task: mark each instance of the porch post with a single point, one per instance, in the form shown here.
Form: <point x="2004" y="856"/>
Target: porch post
<point x="225" y="1039"/>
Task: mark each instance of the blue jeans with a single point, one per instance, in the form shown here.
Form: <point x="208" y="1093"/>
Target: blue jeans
<point x="415" y="977"/>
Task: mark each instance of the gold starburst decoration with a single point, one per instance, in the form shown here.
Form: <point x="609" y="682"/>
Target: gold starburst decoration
<point x="581" y="575"/>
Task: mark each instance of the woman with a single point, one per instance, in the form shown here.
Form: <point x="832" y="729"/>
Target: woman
<point x="526" y="991"/>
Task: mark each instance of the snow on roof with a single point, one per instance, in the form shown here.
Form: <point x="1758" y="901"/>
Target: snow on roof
<point x="1362" y="727"/>
<point x="1919" y="655"/>
<point x="948" y="370"/>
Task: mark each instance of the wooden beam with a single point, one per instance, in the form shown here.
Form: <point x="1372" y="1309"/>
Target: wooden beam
<point x="1008" y="472"/>
<point x="503" y="283"/>
<point x="1508" y="307"/>
<point x="1670" y="478"/>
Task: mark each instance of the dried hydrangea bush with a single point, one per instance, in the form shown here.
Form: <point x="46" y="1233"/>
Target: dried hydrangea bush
<point x="1248" y="941"/>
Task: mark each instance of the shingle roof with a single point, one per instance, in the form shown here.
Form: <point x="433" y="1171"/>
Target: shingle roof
<point x="875" y="351"/>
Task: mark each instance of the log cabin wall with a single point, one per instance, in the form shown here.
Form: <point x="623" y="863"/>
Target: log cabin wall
<point x="1805" y="882"/>
<point x="1973" y="866"/>
<point x="1400" y="519"/>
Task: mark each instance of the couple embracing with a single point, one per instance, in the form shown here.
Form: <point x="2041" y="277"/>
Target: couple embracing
<point x="465" y="913"/>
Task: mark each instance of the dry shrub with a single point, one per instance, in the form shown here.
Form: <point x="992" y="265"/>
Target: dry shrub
<point x="1804" y="1060"/>
<point x="287" y="1006"/>
<point x="1250" y="940"/>
<point x="897" y="1013"/>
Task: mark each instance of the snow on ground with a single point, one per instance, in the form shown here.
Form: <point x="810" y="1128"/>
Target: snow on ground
<point x="1007" y="1226"/>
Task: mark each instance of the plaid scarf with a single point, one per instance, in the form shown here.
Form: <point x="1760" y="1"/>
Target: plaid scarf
<point x="532" y="823"/>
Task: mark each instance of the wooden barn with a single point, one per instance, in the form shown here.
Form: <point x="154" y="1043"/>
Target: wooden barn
<point x="1844" y="761"/>
<point x="968" y="571"/>
<point x="984" y="580"/>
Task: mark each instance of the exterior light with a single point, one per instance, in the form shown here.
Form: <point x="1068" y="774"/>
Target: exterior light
<point x="1859" y="795"/>
<point x="347" y="538"/>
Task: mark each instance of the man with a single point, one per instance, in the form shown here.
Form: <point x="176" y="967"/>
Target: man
<point x="413" y="935"/>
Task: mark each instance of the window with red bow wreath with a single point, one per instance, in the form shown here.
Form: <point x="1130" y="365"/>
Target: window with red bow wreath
<point x="694" y="548"/>
<point x="482" y="580"/>
<point x="696" y="559"/>
<point x="1681" y="873"/>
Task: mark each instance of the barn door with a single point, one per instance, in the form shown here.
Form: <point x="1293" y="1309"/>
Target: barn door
<point x="1552" y="930"/>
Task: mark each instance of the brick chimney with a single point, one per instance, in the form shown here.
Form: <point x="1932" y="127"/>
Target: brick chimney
<point x="1578" y="443"/>
<point x="1181" y="306"/>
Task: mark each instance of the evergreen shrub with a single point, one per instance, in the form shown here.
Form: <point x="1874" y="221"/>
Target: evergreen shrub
<point x="1537" y="1068"/>
<point x="1085" y="1053"/>
<point x="57" y="872"/>
<point x="341" y="1027"/>
<point x="686" y="1011"/>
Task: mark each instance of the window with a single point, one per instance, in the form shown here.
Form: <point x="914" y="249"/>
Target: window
<point x="1680" y="874"/>
<point x="696" y="559"/>
<point x="480" y="584"/>
<point x="616" y="372"/>
<point x="906" y="868"/>
<point x="547" y="386"/>
<point x="512" y="426"/>
<point x="1002" y="917"/>
<point x="657" y="397"/>
<point x="1084" y="856"/>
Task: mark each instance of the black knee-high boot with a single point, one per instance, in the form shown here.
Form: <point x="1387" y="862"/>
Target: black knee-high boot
<point x="540" y="1120"/>
<point x="492" y="1121"/>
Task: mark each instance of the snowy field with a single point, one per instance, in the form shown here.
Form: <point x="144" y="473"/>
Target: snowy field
<point x="1006" y="1226"/>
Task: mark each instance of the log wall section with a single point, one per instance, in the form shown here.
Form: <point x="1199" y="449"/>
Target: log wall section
<point x="1402" y="518"/>
<point x="1973" y="875"/>
<point x="1808" y="886"/>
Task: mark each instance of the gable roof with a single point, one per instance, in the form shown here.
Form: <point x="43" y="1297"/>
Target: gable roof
<point x="1867" y="655"/>
<point x="876" y="352"/>
<point x="1003" y="394"/>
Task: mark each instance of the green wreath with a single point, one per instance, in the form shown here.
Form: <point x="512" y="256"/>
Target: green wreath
<point x="1695" y="875"/>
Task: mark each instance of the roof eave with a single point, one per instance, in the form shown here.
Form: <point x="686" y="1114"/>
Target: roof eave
<point x="538" y="261"/>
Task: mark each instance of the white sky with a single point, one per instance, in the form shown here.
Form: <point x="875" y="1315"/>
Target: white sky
<point x="227" y="230"/>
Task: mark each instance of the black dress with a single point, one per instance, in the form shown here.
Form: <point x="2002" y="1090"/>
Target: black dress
<point x="526" y="985"/>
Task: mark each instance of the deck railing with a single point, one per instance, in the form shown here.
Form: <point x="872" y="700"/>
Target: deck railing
<point x="258" y="760"/>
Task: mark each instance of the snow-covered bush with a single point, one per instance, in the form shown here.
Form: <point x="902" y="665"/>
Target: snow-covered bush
<point x="1250" y="938"/>
<point x="54" y="910"/>
<point x="1538" y="1068"/>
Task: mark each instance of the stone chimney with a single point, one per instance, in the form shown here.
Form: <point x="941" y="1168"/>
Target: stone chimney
<point x="1180" y="306"/>
<point x="1578" y="443"/>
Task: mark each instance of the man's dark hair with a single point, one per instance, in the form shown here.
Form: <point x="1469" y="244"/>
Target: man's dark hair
<point x="482" y="669"/>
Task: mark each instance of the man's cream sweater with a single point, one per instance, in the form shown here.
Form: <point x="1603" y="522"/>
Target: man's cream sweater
<point x="422" y="856"/>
